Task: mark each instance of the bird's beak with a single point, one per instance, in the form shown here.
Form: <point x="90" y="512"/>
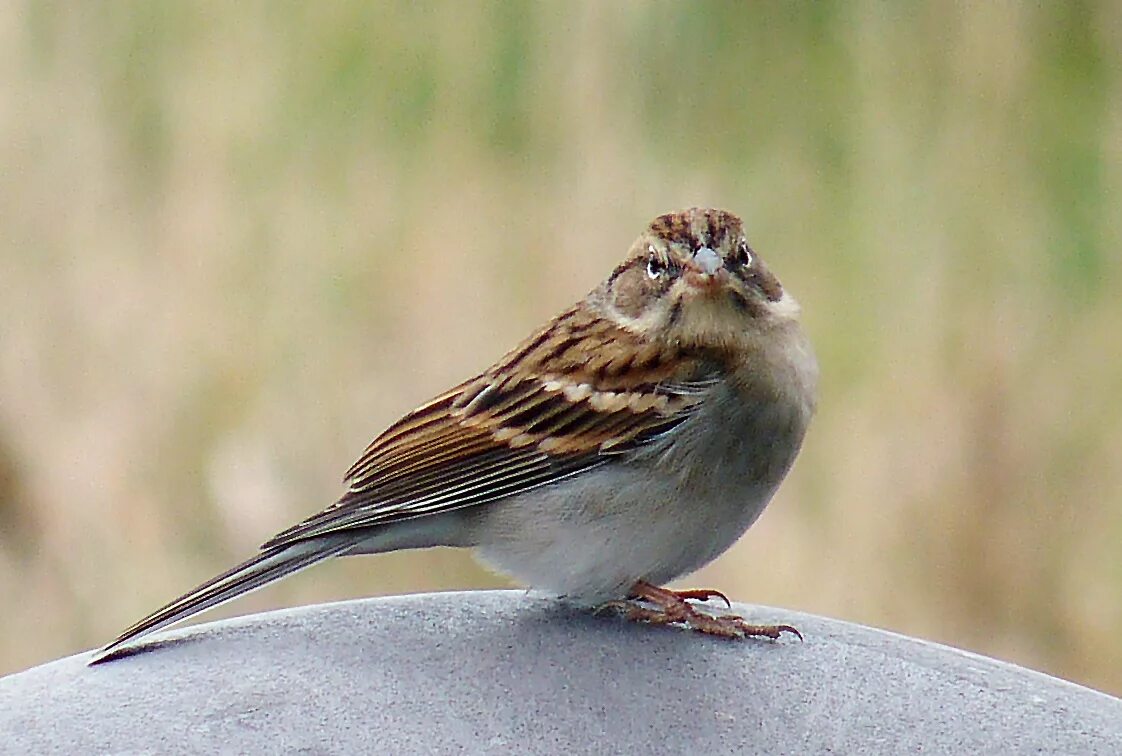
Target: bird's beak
<point x="705" y="271"/>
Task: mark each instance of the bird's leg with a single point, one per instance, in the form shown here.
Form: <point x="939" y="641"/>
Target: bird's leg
<point x="673" y="608"/>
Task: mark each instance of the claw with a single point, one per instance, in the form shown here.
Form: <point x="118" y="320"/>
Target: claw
<point x="702" y="594"/>
<point x="673" y="608"/>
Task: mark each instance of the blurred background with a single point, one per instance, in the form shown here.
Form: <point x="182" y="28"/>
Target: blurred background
<point x="238" y="240"/>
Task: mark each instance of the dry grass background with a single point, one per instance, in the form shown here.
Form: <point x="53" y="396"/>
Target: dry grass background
<point x="237" y="240"/>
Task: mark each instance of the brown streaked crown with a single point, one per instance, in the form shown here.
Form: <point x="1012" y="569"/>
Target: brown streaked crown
<point x="669" y="287"/>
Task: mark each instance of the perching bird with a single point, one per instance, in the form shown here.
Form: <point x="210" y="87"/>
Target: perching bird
<point x="628" y="442"/>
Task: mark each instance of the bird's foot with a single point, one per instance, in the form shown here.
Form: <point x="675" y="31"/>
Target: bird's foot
<point x="673" y="608"/>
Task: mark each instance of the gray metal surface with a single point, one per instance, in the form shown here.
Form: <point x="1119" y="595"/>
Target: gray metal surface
<point x="506" y="672"/>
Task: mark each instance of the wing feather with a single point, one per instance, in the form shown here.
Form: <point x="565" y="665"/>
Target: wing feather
<point x="573" y="396"/>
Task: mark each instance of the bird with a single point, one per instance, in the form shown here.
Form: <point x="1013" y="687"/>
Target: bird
<point x="624" y="444"/>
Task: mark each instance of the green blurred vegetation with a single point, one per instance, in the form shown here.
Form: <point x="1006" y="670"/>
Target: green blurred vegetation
<point x="237" y="240"/>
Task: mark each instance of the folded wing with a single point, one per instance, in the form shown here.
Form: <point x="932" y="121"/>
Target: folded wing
<point x="568" y="400"/>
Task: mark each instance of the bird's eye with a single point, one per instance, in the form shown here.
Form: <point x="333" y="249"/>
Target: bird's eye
<point x="655" y="267"/>
<point x="743" y="254"/>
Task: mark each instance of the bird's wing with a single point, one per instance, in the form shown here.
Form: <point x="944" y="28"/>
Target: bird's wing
<point x="572" y="396"/>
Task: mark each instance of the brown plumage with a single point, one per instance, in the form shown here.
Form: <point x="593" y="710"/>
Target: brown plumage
<point x="682" y="378"/>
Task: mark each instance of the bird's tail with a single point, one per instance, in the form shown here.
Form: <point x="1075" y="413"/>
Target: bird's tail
<point x="271" y="564"/>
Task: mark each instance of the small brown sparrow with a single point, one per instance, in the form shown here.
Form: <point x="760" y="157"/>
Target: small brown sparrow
<point x="628" y="442"/>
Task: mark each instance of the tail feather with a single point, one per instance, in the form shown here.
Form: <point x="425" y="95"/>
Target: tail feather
<point x="271" y="564"/>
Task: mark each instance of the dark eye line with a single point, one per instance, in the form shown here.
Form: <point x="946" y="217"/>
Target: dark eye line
<point x="746" y="275"/>
<point x="620" y="269"/>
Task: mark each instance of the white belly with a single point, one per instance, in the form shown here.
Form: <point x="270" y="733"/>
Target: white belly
<point x="593" y="539"/>
<point x="655" y="517"/>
